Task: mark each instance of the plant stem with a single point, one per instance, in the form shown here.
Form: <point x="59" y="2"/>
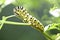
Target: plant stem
<point x="10" y="16"/>
<point x="15" y="23"/>
<point x="2" y="22"/>
<point x="9" y="22"/>
<point x="46" y="35"/>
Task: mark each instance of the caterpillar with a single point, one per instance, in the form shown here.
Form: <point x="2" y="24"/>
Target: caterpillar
<point x="21" y="12"/>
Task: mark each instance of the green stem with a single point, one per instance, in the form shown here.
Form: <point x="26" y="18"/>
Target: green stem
<point x="10" y="16"/>
<point x="10" y="22"/>
<point x="15" y="23"/>
<point x="46" y="35"/>
<point x="2" y="22"/>
<point x="4" y="19"/>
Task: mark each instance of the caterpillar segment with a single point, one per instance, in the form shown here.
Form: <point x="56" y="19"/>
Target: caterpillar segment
<point x="21" y="12"/>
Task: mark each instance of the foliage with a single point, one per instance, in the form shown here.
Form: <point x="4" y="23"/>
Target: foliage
<point x="39" y="9"/>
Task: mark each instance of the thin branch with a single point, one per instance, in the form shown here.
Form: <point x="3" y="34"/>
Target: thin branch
<point x="2" y="22"/>
<point x="10" y="16"/>
<point x="15" y="23"/>
<point x="47" y="36"/>
<point x="9" y="22"/>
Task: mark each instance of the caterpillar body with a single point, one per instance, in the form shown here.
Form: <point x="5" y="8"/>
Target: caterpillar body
<point x="22" y="13"/>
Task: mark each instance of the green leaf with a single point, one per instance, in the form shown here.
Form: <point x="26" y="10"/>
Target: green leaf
<point x="53" y="26"/>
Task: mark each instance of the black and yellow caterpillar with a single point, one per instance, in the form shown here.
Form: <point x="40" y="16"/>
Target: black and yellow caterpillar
<point x="21" y="12"/>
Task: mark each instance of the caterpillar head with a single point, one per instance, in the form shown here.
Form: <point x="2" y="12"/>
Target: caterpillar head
<point x="19" y="10"/>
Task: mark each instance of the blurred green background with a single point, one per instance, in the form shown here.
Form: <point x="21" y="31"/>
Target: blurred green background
<point x="37" y="8"/>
